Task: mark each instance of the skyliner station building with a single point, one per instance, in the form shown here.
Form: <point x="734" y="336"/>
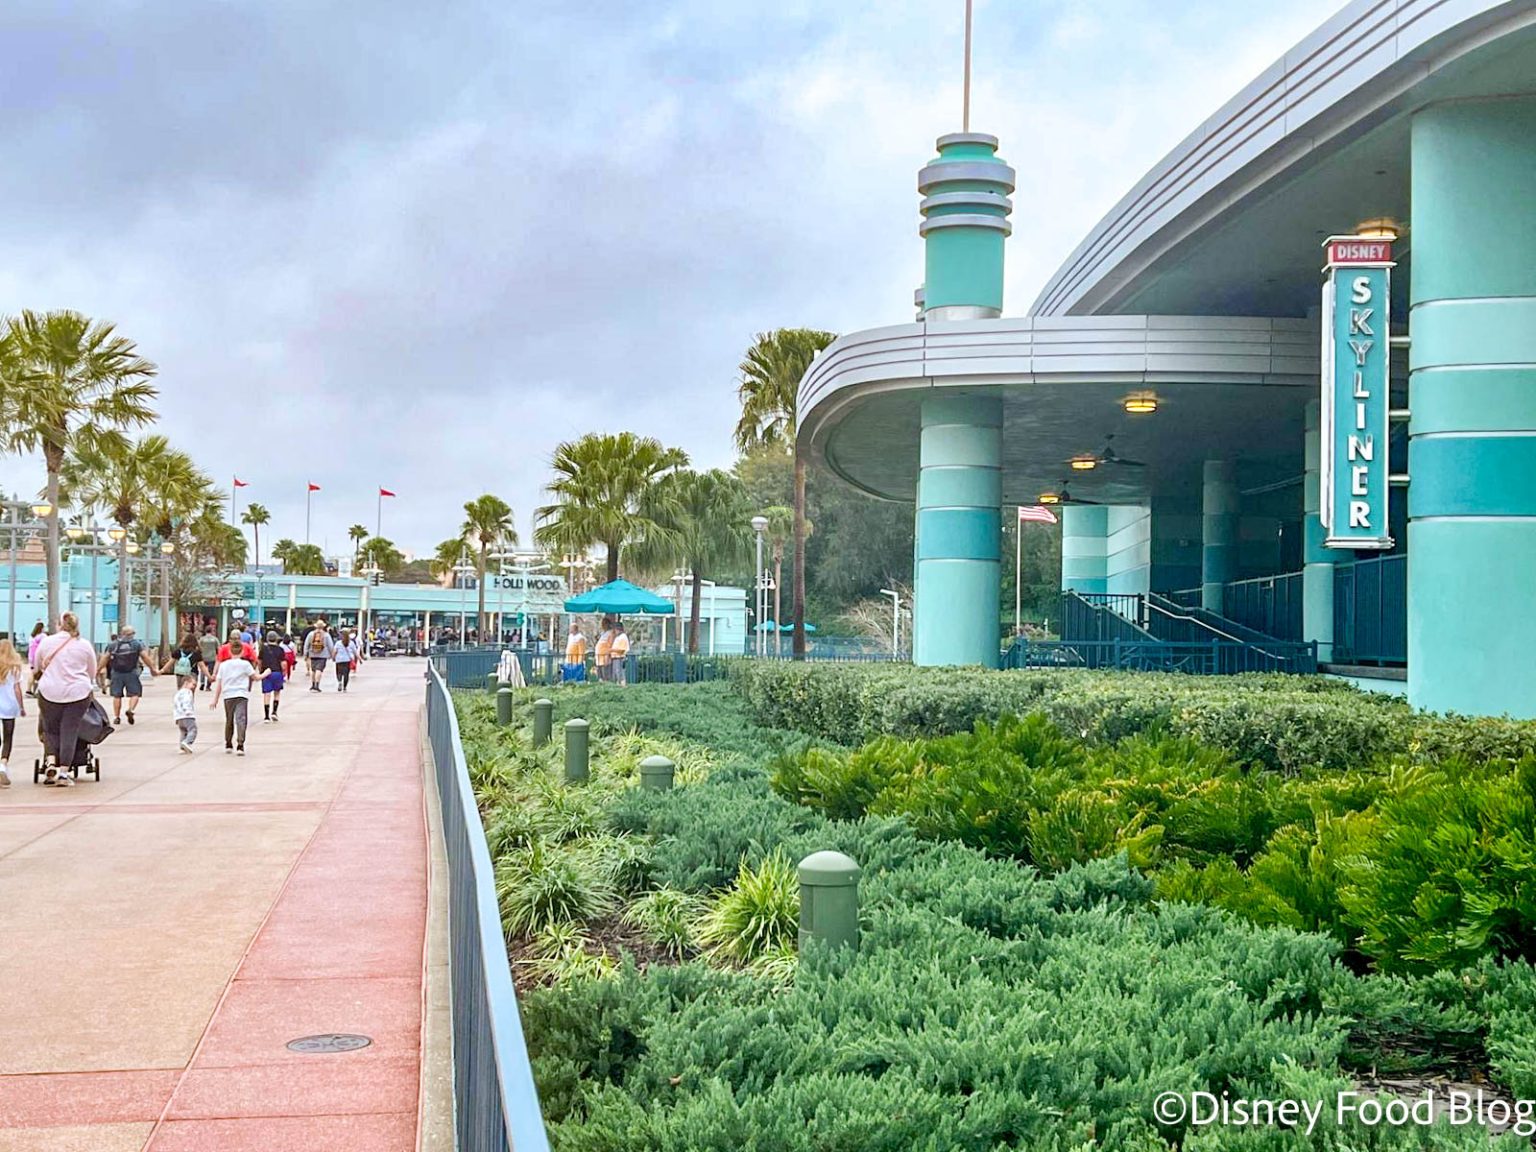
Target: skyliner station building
<point x="1285" y="389"/>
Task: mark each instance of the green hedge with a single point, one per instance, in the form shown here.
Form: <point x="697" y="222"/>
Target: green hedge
<point x="1270" y="721"/>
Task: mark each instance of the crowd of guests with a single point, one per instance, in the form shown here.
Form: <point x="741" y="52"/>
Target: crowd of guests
<point x="610" y="654"/>
<point x="63" y="672"/>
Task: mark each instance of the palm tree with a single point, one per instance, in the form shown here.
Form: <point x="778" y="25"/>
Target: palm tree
<point x="446" y="557"/>
<point x="283" y="552"/>
<point x="256" y="515"/>
<point x="487" y="523"/>
<point x="598" y="485"/>
<point x="65" y="378"/>
<point x="305" y="560"/>
<point x="214" y="540"/>
<point x="382" y="554"/>
<point x="704" y="522"/>
<point x="358" y="534"/>
<point x="770" y="381"/>
<point x="780" y="533"/>
<point x="112" y="475"/>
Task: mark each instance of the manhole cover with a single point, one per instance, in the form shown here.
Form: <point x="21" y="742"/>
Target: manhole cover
<point x="330" y="1042"/>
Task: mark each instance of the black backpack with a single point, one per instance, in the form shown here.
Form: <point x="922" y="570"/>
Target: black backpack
<point x="125" y="656"/>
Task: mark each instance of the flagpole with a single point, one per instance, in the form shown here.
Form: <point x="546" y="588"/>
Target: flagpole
<point x="309" y="494"/>
<point x="1018" y="568"/>
<point x="378" y="523"/>
<point x="233" y="489"/>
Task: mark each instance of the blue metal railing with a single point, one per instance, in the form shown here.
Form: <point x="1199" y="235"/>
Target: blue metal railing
<point x="1197" y="657"/>
<point x="1267" y="604"/>
<point x="1102" y="616"/>
<point x="470" y="667"/>
<point x="496" y="1105"/>
<point x="1370" y="611"/>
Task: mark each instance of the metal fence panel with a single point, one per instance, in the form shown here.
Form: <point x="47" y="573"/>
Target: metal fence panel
<point x="496" y="1106"/>
<point x="1370" y="611"/>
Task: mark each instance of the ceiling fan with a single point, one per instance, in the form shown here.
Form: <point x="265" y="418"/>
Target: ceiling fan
<point x="1088" y="460"/>
<point x="1062" y="495"/>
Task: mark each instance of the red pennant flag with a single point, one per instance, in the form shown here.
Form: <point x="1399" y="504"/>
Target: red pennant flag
<point x="314" y="487"/>
<point x="385" y="492"/>
<point x="239" y="483"/>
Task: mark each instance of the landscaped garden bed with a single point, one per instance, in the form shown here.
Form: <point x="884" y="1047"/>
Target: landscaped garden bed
<point x="1114" y="887"/>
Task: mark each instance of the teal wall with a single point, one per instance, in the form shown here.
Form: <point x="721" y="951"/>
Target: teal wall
<point x="1472" y="447"/>
<point x="1128" y="549"/>
<point x="963" y="262"/>
<point x="1176" y="532"/>
<point x="1317" y="561"/>
<point x="959" y="529"/>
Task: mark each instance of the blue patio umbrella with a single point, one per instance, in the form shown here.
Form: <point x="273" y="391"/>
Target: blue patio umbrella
<point x="765" y="626"/>
<point x="791" y="627"/>
<point x="621" y="598"/>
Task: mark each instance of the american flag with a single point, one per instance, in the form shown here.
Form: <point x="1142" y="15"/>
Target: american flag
<point x="1036" y="512"/>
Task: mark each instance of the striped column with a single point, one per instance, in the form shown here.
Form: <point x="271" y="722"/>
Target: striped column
<point x="1084" y="548"/>
<point x="959" y="491"/>
<point x="1218" y="557"/>
<point x="1317" y="561"/>
<point x="965" y="211"/>
<point x="1472" y="445"/>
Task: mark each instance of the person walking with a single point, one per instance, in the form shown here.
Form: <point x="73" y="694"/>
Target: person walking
<point x="184" y="712"/>
<point x="318" y="649"/>
<point x="345" y="654"/>
<point x="186" y="659"/>
<point x="208" y="646"/>
<point x="13" y="704"/>
<point x="66" y="674"/>
<point x="618" y="654"/>
<point x="603" y="652"/>
<point x="39" y="631"/>
<point x="290" y="656"/>
<point x="232" y="681"/>
<point x="121" y="662"/>
<point x="273" y="665"/>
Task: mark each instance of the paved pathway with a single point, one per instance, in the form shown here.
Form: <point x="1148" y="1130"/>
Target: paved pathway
<point x="165" y="932"/>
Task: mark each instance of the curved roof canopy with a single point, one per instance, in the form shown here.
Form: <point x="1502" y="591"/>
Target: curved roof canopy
<point x="1231" y="221"/>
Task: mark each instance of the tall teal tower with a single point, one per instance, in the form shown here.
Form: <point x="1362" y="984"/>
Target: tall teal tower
<point x="965" y="211"/>
<point x="1472" y="390"/>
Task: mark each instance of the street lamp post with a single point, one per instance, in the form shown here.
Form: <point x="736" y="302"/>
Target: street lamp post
<point x="462" y="569"/>
<point x="760" y="525"/>
<point x="167" y="550"/>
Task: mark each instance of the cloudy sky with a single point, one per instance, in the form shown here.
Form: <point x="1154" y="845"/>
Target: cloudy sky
<point x="410" y="245"/>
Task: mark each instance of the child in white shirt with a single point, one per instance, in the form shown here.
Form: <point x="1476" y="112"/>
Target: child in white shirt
<point x="184" y="710"/>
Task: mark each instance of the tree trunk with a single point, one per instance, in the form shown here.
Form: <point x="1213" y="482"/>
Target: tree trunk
<point x="799" y="601"/>
<point x="256" y="539"/>
<point x="613" y="561"/>
<point x="778" y="591"/>
<point x="480" y="589"/>
<point x="694" y="611"/>
<point x="51" y="564"/>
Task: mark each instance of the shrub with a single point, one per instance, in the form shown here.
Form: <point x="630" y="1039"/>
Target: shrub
<point x="545" y="884"/>
<point x="757" y="916"/>
<point x="666" y="917"/>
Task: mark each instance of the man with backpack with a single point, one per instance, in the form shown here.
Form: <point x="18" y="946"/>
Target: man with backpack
<point x="318" y="648"/>
<point x="208" y="647"/>
<point x="121" y="662"/>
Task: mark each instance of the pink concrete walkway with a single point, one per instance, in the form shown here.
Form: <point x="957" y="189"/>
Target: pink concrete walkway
<point x="165" y="933"/>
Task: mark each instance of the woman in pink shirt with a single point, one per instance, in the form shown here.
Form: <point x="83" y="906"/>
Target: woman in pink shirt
<point x="66" y="674"/>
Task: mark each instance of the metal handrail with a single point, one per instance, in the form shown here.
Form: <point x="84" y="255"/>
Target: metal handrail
<point x="496" y="1104"/>
<point x="1182" y="614"/>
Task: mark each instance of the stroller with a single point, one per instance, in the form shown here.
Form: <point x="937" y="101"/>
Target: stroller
<point x="95" y="726"/>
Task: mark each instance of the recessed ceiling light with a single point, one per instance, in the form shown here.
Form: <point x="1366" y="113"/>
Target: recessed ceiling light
<point x="1050" y="498"/>
<point x="1138" y="403"/>
<point x="1378" y="228"/>
<point x="1084" y="463"/>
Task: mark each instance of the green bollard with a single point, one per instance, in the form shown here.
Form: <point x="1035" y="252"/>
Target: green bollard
<point x="491" y="683"/>
<point x="657" y="772"/>
<point x="829" y="899"/>
<point x="576" y="751"/>
<point x="543" y="721"/>
<point x="504" y="706"/>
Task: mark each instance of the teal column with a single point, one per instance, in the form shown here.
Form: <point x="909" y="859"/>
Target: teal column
<point x="1084" y="548"/>
<point x="1472" y="389"/>
<point x="959" y="491"/>
<point x="1317" y="561"/>
<point x="1218" y="553"/>
<point x="965" y="211"/>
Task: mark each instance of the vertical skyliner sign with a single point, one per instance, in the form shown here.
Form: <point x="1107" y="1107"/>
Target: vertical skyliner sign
<point x="1356" y="393"/>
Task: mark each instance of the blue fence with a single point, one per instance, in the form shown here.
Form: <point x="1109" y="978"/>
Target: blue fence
<point x="1268" y="604"/>
<point x="496" y="1105"/>
<point x="1197" y="657"/>
<point x="1370" y="611"/>
<point x="470" y="667"/>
